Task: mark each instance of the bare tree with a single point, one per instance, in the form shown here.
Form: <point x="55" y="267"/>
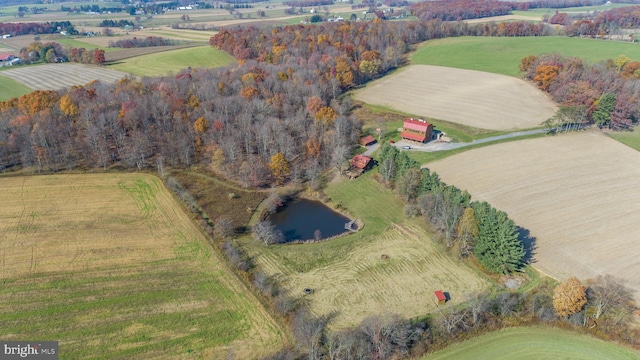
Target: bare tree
<point x="223" y="227"/>
<point x="266" y="232"/>
<point x="606" y="293"/>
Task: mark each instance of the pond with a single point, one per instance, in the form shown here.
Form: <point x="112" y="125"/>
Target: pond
<point x="301" y="219"/>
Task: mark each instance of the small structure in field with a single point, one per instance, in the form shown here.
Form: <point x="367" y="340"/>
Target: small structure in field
<point x="358" y="165"/>
<point x="367" y="140"/>
<point x="417" y="130"/>
<point x="441" y="297"/>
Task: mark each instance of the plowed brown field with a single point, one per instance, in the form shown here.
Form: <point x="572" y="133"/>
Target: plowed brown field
<point x="578" y="194"/>
<point x="58" y="76"/>
<point x="473" y="98"/>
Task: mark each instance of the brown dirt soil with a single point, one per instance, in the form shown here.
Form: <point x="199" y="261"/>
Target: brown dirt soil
<point x="58" y="76"/>
<point x="578" y="195"/>
<point x="468" y="97"/>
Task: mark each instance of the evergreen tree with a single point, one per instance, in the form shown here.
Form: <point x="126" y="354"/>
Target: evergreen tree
<point x="498" y="247"/>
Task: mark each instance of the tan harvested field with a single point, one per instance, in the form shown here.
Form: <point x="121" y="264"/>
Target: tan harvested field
<point x="110" y="265"/>
<point x="578" y="195"/>
<point x="362" y="284"/>
<point x="58" y="76"/>
<point x="499" y="19"/>
<point x="467" y="97"/>
<point x="129" y="53"/>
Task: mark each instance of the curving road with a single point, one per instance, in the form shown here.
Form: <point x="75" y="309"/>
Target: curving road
<point x="443" y="146"/>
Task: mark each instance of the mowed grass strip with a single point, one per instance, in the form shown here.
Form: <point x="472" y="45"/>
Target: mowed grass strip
<point x="391" y="266"/>
<point x="502" y="55"/>
<point x="534" y="343"/>
<point x="10" y="88"/>
<point x="58" y="76"/>
<point x="110" y="266"/>
<point x="164" y="63"/>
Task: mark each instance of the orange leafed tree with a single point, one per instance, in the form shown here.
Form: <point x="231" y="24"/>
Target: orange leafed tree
<point x="326" y="114"/>
<point x="280" y="167"/>
<point x="314" y="104"/>
<point x="545" y="74"/>
<point x="68" y="106"/>
<point x="569" y="297"/>
<point x="248" y="92"/>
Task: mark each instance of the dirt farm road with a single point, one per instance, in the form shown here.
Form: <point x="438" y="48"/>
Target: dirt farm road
<point x="442" y="146"/>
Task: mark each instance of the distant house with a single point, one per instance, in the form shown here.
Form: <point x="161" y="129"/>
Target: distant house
<point x="367" y="140"/>
<point x="441" y="297"/>
<point x="6" y="36"/>
<point x="6" y="59"/>
<point x="417" y="130"/>
<point x="362" y="162"/>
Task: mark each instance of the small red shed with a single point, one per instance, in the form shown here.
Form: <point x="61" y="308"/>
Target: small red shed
<point x="441" y="297"/>
<point x="367" y="140"/>
<point x="362" y="162"/>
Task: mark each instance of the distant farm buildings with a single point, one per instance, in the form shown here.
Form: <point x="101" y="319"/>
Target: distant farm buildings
<point x="8" y="60"/>
<point x="417" y="130"/>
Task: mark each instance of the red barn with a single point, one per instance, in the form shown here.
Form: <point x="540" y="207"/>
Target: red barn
<point x="441" y="297"/>
<point x="417" y="130"/>
<point x="361" y="162"/>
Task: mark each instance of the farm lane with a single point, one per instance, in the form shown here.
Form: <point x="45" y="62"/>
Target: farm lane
<point x="443" y="146"/>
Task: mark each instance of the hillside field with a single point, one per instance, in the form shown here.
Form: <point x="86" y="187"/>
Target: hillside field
<point x="577" y="194"/>
<point x="533" y="343"/>
<point x="58" y="76"/>
<point x="10" y="88"/>
<point x="164" y="63"/>
<point x="352" y="279"/>
<point x="471" y="98"/>
<point x="110" y="266"/>
<point x="502" y="55"/>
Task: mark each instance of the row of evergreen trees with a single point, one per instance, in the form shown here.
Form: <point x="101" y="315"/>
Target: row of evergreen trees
<point x="468" y="227"/>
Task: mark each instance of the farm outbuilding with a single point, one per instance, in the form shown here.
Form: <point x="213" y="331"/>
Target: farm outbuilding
<point x="417" y="130"/>
<point x="441" y="297"/>
<point x="362" y="162"/>
<point x="367" y="140"/>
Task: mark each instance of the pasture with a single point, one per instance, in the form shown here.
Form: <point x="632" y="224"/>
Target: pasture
<point x="167" y="62"/>
<point x="58" y="76"/>
<point x="532" y="343"/>
<point x="471" y="98"/>
<point x="502" y="55"/>
<point x="109" y="265"/>
<point x="392" y="266"/>
<point x="10" y="88"/>
<point x="577" y="194"/>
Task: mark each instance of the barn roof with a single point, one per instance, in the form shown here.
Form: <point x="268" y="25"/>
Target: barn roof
<point x="417" y="125"/>
<point x="5" y="56"/>
<point x="360" y="161"/>
<point x="440" y="295"/>
<point x="414" y="136"/>
<point x="367" y="140"/>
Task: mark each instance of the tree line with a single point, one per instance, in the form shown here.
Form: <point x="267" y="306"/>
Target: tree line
<point x="115" y="23"/>
<point x="15" y="29"/>
<point x="146" y="42"/>
<point x="606" y="93"/>
<point x="467" y="227"/>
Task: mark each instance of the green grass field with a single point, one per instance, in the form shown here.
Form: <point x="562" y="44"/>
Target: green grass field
<point x="75" y="43"/>
<point x="164" y="63"/>
<point x="502" y="55"/>
<point x="629" y="138"/>
<point x="111" y="267"/>
<point x="534" y="343"/>
<point x="10" y="88"/>
<point x="538" y="13"/>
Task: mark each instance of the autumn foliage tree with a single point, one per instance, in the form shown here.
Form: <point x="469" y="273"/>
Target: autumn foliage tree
<point x="545" y="74"/>
<point x="280" y="167"/>
<point x="569" y="297"/>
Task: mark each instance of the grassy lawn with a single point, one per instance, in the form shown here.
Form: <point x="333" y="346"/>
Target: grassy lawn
<point x="110" y="266"/>
<point x="164" y="63"/>
<point x="538" y="13"/>
<point x="10" y="88"/>
<point x="75" y="43"/>
<point x="629" y="138"/>
<point x="534" y="343"/>
<point x="502" y="55"/>
<point x="392" y="265"/>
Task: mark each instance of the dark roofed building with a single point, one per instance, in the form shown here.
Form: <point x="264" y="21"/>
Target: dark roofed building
<point x="367" y="140"/>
